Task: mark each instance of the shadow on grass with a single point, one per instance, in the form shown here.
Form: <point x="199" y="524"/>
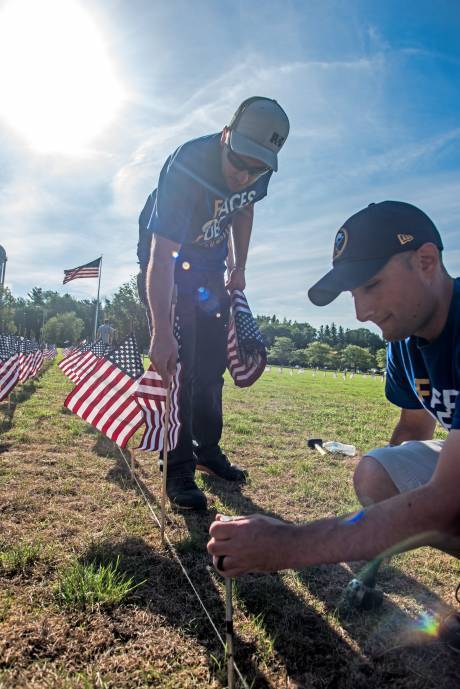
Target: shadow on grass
<point x="20" y="394"/>
<point x="307" y="640"/>
<point x="314" y="651"/>
<point x="165" y="593"/>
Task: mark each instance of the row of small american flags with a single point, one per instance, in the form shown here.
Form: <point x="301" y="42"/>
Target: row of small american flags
<point x="115" y="395"/>
<point x="20" y="359"/>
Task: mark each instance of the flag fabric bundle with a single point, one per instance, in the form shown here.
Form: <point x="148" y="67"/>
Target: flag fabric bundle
<point x="104" y="398"/>
<point x="9" y="368"/>
<point x="151" y="395"/>
<point x="246" y="352"/>
<point x="89" y="270"/>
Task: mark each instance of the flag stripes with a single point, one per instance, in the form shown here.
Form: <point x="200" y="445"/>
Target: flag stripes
<point x="246" y="353"/>
<point x="104" y="397"/>
<point x="89" y="270"/>
<point x="151" y="396"/>
<point x="9" y="375"/>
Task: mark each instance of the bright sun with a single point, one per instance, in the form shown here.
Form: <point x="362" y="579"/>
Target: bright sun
<point x="57" y="85"/>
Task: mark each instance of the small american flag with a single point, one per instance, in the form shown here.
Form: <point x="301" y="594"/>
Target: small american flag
<point x="50" y="351"/>
<point x="26" y="359"/>
<point x="9" y="366"/>
<point x="246" y="352"/>
<point x="66" y="365"/>
<point x="89" y="270"/>
<point x="151" y="396"/>
<point x="88" y="361"/>
<point x="37" y="361"/>
<point x="104" y="398"/>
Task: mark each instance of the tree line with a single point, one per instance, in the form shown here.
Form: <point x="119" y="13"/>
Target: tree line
<point x="330" y="346"/>
<point x="61" y="319"/>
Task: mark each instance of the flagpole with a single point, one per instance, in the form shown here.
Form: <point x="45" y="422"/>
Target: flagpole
<point x="97" y="303"/>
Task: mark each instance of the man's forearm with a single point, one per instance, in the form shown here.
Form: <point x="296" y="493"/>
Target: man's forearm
<point x="160" y="284"/>
<point x="400" y="523"/>
<point x="241" y="232"/>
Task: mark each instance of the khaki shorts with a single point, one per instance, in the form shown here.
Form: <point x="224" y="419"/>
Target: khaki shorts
<point x="411" y="464"/>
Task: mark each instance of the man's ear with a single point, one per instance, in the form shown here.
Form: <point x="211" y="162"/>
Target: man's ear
<point x="428" y="258"/>
<point x="224" y="136"/>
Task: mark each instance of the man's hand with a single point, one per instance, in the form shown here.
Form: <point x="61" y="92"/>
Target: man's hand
<point x="163" y="354"/>
<point x="251" y="544"/>
<point x="236" y="279"/>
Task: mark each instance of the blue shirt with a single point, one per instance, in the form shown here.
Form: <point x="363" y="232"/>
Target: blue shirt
<point x="426" y="375"/>
<point x="193" y="206"/>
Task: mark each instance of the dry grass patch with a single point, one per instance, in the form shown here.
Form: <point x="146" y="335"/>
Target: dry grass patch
<point x="68" y="489"/>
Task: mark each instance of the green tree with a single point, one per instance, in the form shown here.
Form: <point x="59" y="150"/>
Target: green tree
<point x="362" y="337"/>
<point x="7" y="310"/>
<point x="127" y="314"/>
<point x="320" y="354"/>
<point x="63" y="328"/>
<point x="281" y="351"/>
<point x="357" y="358"/>
<point x="299" y="358"/>
<point x="381" y="358"/>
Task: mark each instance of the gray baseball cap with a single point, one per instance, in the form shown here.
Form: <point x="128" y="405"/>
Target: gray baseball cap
<point x="259" y="129"/>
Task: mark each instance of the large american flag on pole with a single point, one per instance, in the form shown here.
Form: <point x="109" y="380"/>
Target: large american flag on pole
<point x="104" y="398"/>
<point x="9" y="366"/>
<point x="246" y="352"/>
<point x="89" y="270"/>
<point x="151" y="396"/>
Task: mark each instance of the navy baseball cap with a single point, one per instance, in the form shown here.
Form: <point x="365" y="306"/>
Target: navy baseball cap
<point x="367" y="241"/>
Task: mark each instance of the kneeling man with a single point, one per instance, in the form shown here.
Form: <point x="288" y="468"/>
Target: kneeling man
<point x="389" y="256"/>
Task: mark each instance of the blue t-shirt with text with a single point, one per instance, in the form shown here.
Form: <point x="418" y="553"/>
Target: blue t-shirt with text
<point x="423" y="374"/>
<point x="193" y="206"/>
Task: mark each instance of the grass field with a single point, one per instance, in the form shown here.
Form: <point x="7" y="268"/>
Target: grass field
<point x="90" y="599"/>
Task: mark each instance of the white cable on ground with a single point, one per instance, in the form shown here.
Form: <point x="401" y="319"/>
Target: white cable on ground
<point x="186" y="574"/>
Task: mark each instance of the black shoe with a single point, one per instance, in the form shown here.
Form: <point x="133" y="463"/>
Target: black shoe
<point x="182" y="491"/>
<point x="217" y="464"/>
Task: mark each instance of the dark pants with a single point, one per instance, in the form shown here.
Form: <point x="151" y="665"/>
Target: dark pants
<point x="202" y="310"/>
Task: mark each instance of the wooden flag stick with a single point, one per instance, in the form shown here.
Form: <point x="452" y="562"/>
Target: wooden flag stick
<point x="132" y="459"/>
<point x="165" y="463"/>
<point x="166" y="433"/>
<point x="229" y="631"/>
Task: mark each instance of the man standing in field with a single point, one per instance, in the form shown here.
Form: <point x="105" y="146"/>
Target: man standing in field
<point x="389" y="256"/>
<point x="206" y="187"/>
<point x="105" y="332"/>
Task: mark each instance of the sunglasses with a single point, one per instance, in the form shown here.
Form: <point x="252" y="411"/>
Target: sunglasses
<point x="242" y="166"/>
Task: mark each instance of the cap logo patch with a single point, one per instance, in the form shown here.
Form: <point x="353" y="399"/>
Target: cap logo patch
<point x="340" y="242"/>
<point x="405" y="238"/>
<point x="277" y="139"/>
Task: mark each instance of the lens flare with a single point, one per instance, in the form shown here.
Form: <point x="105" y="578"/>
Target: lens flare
<point x="428" y="624"/>
<point x="175" y="254"/>
<point x="203" y="294"/>
<point x="186" y="265"/>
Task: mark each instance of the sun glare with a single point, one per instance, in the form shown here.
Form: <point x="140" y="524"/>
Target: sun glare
<point x="58" y="89"/>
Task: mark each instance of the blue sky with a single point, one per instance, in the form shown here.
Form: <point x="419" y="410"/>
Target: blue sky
<point x="371" y="90"/>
